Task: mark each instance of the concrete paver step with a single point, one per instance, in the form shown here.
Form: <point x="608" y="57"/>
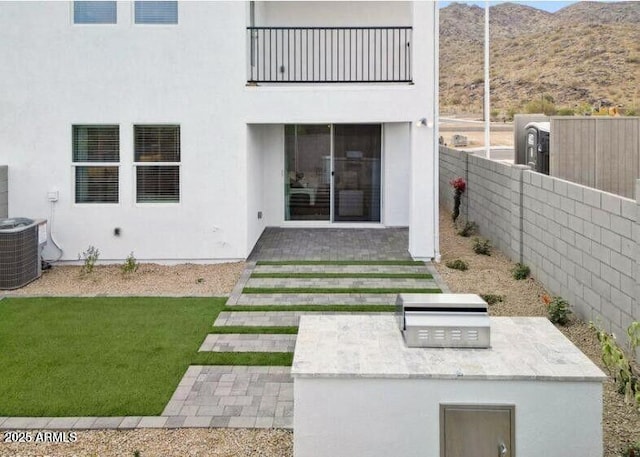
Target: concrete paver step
<point x="248" y="342"/>
<point x="232" y="396"/>
<point x="316" y="299"/>
<point x="397" y="269"/>
<point x="268" y="318"/>
<point x="351" y="283"/>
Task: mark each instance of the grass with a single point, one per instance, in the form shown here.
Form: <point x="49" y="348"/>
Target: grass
<point x="332" y="308"/>
<point x="339" y="290"/>
<point x="244" y="358"/>
<point x="98" y="356"/>
<point x="344" y="275"/>
<point x="339" y="262"/>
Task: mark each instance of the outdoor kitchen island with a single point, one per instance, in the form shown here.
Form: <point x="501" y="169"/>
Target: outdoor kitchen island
<point x="360" y="391"/>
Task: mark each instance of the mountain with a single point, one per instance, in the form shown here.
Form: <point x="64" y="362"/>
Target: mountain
<point x="587" y="53"/>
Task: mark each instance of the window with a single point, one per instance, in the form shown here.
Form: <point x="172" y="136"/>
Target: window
<point x="148" y="12"/>
<point x="96" y="157"/>
<point x="95" y="12"/>
<point x="157" y="162"/>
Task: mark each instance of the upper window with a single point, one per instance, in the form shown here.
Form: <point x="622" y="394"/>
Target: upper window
<point x="96" y="153"/>
<point x="157" y="162"/>
<point x="95" y="12"/>
<point x="151" y="12"/>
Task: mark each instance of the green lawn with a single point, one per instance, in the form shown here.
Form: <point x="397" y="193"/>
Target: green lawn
<point x="339" y="262"/>
<point x="340" y="290"/>
<point x="97" y="356"/>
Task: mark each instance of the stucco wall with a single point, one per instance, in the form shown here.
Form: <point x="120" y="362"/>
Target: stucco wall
<point x="581" y="243"/>
<point x="384" y="417"/>
<point x="4" y="191"/>
<point x="192" y="74"/>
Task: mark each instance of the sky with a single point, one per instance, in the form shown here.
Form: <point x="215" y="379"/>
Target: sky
<point x="551" y="6"/>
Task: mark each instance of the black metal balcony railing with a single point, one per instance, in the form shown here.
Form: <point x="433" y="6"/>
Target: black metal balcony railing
<point x="329" y="54"/>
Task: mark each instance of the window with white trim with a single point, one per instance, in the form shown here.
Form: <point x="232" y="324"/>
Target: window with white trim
<point x="96" y="157"/>
<point x="95" y="12"/>
<point x="156" y="12"/>
<point x="157" y="163"/>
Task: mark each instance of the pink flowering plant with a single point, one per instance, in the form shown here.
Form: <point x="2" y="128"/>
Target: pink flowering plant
<point x="459" y="186"/>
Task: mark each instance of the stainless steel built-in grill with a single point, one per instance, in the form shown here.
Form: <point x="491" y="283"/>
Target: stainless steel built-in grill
<point x="443" y="320"/>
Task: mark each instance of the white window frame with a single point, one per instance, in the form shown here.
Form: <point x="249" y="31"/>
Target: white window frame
<point x="91" y="24"/>
<point x="156" y="24"/>
<point x="75" y="165"/>
<point x="138" y="164"/>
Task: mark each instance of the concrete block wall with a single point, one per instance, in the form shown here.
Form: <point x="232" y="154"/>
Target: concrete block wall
<point x="453" y="164"/>
<point x="4" y="191"/>
<point x="581" y="243"/>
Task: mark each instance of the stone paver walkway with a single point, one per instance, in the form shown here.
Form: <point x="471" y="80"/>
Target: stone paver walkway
<point x="343" y="283"/>
<point x="316" y="299"/>
<point x="232" y="396"/>
<point x="332" y="244"/>
<point x="248" y="342"/>
<point x="268" y="318"/>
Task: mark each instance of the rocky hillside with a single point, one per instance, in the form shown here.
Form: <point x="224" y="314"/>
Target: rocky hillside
<point x="585" y="54"/>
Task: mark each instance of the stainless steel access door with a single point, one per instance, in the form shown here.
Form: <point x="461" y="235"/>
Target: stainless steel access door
<point x="477" y="430"/>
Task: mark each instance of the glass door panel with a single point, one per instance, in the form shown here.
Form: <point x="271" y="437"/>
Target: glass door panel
<point x="357" y="152"/>
<point x="307" y="172"/>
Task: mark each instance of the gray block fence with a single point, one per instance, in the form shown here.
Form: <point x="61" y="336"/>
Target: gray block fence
<point x="581" y="243"/>
<point x="4" y="191"/>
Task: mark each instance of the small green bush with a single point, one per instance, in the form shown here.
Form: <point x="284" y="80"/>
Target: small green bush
<point x="130" y="264"/>
<point x="521" y="271"/>
<point x="559" y="311"/>
<point x="481" y="246"/>
<point x="632" y="450"/>
<point x="457" y="265"/>
<point x="90" y="257"/>
<point x="492" y="299"/>
<point x="566" y="112"/>
<point x="469" y="228"/>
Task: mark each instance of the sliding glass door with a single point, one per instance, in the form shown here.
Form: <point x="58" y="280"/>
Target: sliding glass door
<point x="333" y="172"/>
<point x="356" y="162"/>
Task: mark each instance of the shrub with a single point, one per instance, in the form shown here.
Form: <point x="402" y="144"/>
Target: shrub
<point x="481" y="246"/>
<point x="557" y="309"/>
<point x="521" y="271"/>
<point x="90" y="257"/>
<point x="492" y="299"/>
<point x="459" y="185"/>
<point x="616" y="362"/>
<point x="632" y="450"/>
<point x="130" y="264"/>
<point x="566" y="112"/>
<point x="457" y="265"/>
<point x="541" y="106"/>
<point x="468" y="229"/>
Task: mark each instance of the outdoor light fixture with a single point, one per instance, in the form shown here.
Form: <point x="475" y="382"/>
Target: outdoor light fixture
<point x="422" y="122"/>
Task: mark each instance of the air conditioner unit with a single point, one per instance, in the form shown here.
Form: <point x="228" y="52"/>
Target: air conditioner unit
<point x="21" y="244"/>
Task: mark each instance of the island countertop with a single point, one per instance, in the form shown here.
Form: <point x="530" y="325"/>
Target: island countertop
<point x="366" y="346"/>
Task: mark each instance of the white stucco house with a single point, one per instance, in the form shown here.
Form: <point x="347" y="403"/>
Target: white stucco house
<point x="180" y="130"/>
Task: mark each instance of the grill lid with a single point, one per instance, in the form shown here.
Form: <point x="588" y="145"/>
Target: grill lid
<point x="443" y="320"/>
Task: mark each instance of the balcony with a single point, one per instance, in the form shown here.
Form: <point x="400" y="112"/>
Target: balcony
<point x="329" y="55"/>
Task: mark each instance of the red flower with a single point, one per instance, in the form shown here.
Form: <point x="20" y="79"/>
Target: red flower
<point x="458" y="184"/>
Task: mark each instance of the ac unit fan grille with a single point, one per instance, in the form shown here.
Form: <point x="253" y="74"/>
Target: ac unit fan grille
<point x="19" y="257"/>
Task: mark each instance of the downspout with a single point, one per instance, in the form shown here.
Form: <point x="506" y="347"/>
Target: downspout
<point x="436" y="131"/>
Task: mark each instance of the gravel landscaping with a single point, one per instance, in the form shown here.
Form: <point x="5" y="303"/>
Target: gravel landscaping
<point x="486" y="275"/>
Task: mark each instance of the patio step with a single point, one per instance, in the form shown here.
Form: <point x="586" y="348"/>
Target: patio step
<point x="342" y="283"/>
<point x="248" y="342"/>
<point x="269" y="318"/>
<point x="315" y="299"/>
<point x="342" y="269"/>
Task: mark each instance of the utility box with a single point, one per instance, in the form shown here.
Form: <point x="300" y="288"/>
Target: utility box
<point x="477" y="430"/>
<point x="537" y="149"/>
